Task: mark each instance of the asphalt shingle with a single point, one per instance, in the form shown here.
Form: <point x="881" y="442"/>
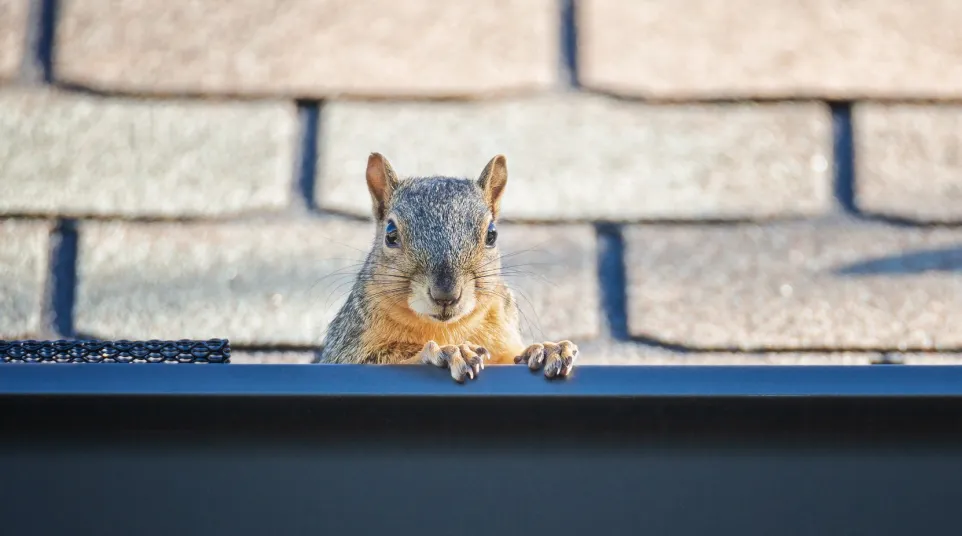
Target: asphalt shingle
<point x="605" y="352"/>
<point x="309" y="48"/>
<point x="74" y="154"/>
<point x="13" y="36"/>
<point x="591" y="157"/>
<point x="837" y="49"/>
<point x="252" y="283"/>
<point x="940" y="359"/>
<point x="909" y="160"/>
<point x="280" y="283"/>
<point x="24" y="262"/>
<point x="194" y="118"/>
<point x="291" y="357"/>
<point x="796" y="286"/>
<point x="553" y="272"/>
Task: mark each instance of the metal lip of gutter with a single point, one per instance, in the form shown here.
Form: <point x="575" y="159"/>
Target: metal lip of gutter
<point x="407" y="381"/>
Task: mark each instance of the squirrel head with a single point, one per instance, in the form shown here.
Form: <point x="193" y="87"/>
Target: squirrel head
<point x="436" y="246"/>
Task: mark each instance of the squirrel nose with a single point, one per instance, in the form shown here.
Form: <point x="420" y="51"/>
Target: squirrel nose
<point x="445" y="297"/>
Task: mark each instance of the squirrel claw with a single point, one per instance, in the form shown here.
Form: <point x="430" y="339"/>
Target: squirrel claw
<point x="557" y="359"/>
<point x="465" y="361"/>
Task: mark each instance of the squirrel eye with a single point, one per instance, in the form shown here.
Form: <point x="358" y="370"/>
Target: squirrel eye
<point x="391" y="237"/>
<point x="492" y="236"/>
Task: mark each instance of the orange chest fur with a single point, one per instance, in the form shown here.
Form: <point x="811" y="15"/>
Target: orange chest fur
<point x="486" y="328"/>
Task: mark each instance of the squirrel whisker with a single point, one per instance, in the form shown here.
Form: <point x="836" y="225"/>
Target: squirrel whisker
<point x="523" y="317"/>
<point x="512" y="254"/>
<point x="498" y="274"/>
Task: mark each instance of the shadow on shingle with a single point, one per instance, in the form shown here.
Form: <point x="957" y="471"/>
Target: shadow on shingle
<point x="930" y="260"/>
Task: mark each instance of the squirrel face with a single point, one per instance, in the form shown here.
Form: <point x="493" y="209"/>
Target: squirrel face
<point x="436" y="252"/>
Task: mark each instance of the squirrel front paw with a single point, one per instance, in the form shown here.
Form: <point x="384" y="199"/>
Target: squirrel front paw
<point x="464" y="361"/>
<point x="557" y="358"/>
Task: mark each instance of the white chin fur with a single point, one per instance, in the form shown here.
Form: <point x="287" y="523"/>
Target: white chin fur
<point x="420" y="303"/>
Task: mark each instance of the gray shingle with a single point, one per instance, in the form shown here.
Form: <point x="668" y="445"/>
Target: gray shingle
<point x="252" y="283"/>
<point x="590" y="157"/>
<point x="290" y="357"/>
<point x="606" y="352"/>
<point x="280" y="283"/>
<point x="839" y="49"/>
<point x="943" y="359"/>
<point x="309" y="48"/>
<point x="553" y="271"/>
<point x="909" y="160"/>
<point x="796" y="286"/>
<point x="24" y="262"/>
<point x="75" y="154"/>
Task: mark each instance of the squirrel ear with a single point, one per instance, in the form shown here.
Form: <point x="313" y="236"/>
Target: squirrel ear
<point x="493" y="179"/>
<point x="381" y="182"/>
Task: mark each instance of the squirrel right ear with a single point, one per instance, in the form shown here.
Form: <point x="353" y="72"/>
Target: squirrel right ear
<point x="381" y="182"/>
<point x="493" y="179"/>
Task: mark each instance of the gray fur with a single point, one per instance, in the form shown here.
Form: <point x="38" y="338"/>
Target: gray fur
<point x="444" y="217"/>
<point x="345" y="329"/>
<point x="441" y="221"/>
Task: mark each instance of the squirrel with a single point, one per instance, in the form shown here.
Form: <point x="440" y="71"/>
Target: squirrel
<point x="430" y="290"/>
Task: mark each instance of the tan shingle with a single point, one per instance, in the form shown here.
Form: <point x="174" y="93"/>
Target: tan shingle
<point x="839" y="49"/>
<point x="309" y="48"/>
<point x="13" y="36"/>
<point x="603" y="352"/>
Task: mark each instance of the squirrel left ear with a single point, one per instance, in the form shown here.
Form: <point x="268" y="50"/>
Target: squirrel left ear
<point x="493" y="179"/>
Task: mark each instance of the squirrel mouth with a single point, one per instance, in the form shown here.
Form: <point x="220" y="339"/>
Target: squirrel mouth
<point x="447" y="313"/>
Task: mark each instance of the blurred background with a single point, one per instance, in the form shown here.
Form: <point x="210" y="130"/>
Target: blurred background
<point x="690" y="181"/>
